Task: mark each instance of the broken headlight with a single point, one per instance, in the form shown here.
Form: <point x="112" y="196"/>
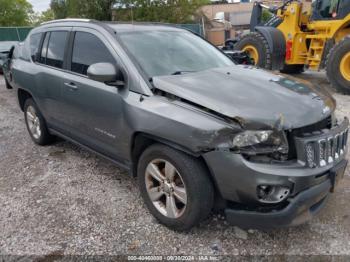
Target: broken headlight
<point x="261" y="141"/>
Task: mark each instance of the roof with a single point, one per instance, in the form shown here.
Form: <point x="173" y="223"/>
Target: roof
<point x="124" y="27"/>
<point x="66" y="20"/>
<point x="120" y="26"/>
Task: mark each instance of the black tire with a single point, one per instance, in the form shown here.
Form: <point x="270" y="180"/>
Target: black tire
<point x="334" y="58"/>
<point x="8" y="86"/>
<point x="199" y="188"/>
<point x="259" y="42"/>
<point x="292" y="69"/>
<point x="45" y="137"/>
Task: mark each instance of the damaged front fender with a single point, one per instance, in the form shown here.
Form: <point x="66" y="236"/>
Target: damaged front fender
<point x="189" y="127"/>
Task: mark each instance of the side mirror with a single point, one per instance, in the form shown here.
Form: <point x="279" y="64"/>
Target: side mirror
<point x="105" y="72"/>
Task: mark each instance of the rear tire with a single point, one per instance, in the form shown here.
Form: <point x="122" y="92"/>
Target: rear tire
<point x="36" y="124"/>
<point x="190" y="177"/>
<point x="338" y="66"/>
<point x="261" y="46"/>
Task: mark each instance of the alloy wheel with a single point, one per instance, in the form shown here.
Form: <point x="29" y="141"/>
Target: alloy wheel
<point x="166" y="188"/>
<point x="33" y="122"/>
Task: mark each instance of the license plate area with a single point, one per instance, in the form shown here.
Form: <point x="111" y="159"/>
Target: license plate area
<point x="337" y="173"/>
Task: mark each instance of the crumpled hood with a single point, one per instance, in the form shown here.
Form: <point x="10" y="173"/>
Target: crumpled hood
<point x="252" y="95"/>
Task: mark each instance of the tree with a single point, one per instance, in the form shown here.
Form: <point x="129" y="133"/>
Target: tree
<point x="59" y="8"/>
<point x="15" y="12"/>
<point x="47" y="16"/>
<point x="168" y="11"/>
<point x="266" y="16"/>
<point x="38" y="18"/>
<point x="93" y="9"/>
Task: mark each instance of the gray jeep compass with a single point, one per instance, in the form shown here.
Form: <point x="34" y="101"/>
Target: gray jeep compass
<point x="199" y="132"/>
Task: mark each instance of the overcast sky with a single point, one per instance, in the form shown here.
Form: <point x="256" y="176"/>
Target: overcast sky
<point x="40" y="5"/>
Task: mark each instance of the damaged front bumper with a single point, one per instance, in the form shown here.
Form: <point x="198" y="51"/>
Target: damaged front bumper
<point x="305" y="189"/>
<point x="300" y="209"/>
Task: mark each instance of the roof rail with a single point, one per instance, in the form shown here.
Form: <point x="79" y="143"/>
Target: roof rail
<point x="138" y="23"/>
<point x="67" y="20"/>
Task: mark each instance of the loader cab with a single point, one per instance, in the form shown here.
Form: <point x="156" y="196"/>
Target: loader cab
<point x="330" y="9"/>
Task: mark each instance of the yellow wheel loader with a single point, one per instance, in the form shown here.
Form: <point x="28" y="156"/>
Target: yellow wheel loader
<point x="294" y="38"/>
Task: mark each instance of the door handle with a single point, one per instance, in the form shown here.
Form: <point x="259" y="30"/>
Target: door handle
<point x="72" y="86"/>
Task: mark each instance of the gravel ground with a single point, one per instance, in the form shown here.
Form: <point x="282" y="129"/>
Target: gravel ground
<point x="61" y="199"/>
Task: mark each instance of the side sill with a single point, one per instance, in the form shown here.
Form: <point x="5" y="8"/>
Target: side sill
<point x="114" y="161"/>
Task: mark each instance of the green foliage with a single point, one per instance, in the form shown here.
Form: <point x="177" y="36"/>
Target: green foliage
<point x="174" y="11"/>
<point x="45" y="16"/>
<point x="93" y="9"/>
<point x="266" y="15"/>
<point x="15" y="13"/>
<point x="59" y="8"/>
<point x="170" y="11"/>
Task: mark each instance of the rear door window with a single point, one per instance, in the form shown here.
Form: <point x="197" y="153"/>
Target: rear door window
<point x="44" y="49"/>
<point x="56" y="48"/>
<point x="35" y="45"/>
<point x="88" y="49"/>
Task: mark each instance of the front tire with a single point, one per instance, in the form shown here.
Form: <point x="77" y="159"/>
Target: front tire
<point x="175" y="187"/>
<point x="338" y="66"/>
<point x="36" y="124"/>
<point x="256" y="46"/>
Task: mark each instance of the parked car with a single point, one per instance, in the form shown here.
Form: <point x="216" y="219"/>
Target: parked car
<point x="198" y="131"/>
<point x="5" y="48"/>
<point x="6" y="63"/>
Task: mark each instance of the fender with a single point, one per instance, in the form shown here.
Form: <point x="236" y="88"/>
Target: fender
<point x="277" y="44"/>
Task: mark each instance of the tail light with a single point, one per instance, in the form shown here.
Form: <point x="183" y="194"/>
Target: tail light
<point x="289" y="47"/>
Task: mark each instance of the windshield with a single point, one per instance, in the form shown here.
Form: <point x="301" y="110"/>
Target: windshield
<point x="172" y="52"/>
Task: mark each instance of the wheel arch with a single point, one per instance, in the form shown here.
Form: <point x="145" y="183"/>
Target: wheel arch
<point x="277" y="44"/>
<point x="141" y="141"/>
<point x="22" y="96"/>
<point x="342" y="32"/>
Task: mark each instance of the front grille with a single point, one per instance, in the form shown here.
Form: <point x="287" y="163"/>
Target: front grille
<point x="323" y="149"/>
<point x="306" y="130"/>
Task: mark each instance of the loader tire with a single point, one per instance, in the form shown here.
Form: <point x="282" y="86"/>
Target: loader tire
<point x="338" y="66"/>
<point x="257" y="48"/>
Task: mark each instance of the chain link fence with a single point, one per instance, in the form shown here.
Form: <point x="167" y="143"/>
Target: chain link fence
<point x="14" y="33"/>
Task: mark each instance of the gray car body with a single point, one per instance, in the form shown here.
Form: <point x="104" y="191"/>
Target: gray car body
<point x="200" y="114"/>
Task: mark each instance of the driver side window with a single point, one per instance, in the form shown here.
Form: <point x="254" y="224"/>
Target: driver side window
<point x="88" y="49"/>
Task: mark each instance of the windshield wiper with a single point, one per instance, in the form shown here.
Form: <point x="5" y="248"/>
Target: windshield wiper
<point x="181" y="72"/>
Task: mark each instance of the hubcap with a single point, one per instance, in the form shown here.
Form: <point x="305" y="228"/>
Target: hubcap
<point x="345" y="66"/>
<point x="33" y="122"/>
<point x="166" y="188"/>
<point x="252" y="52"/>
